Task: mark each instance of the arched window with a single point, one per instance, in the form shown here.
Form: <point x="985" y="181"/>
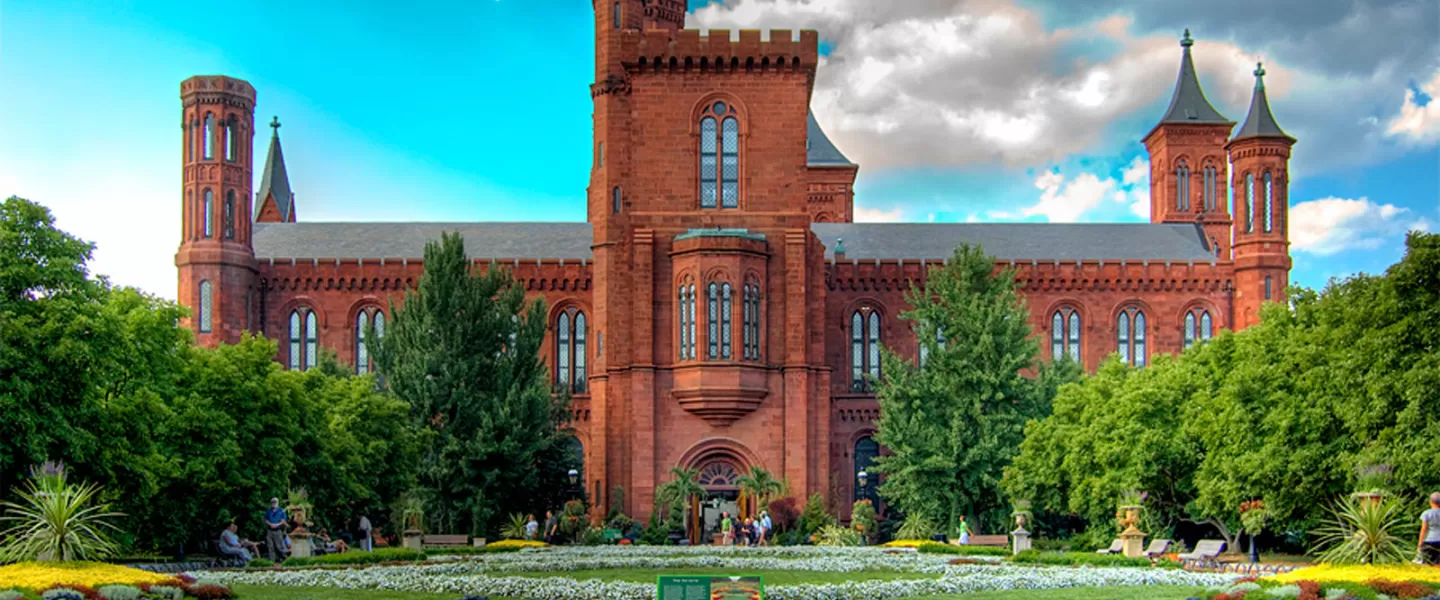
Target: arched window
<point x="1269" y="203"/>
<point x="206" y="303"/>
<point x="229" y="143"/>
<point x="1182" y="186"/>
<point x="1249" y="203"/>
<point x="363" y="320"/>
<point x="189" y="141"/>
<point x="209" y="141"/>
<point x="687" y="320"/>
<point x="720" y="157"/>
<point x="617" y="15"/>
<point x="750" y="321"/>
<point x="1198" y="327"/>
<point x="866" y="449"/>
<point x="1267" y="287"/>
<point x="726" y="311"/>
<point x="209" y="215"/>
<point x="1130" y="337"/>
<point x="1210" y="187"/>
<point x="615" y="200"/>
<point x="570" y="351"/>
<point x="189" y="211"/>
<point x="712" y="319"/>
<point x="1065" y="334"/>
<point x="228" y="223"/>
<point x="864" y="349"/>
<point x="304" y="348"/>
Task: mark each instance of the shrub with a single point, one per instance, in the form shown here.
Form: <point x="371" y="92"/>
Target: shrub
<point x="835" y="535"/>
<point x="593" y="536"/>
<point x="932" y="547"/>
<point x="1284" y="591"/>
<point x="814" y="518"/>
<point x="1364" y="532"/>
<point x="210" y="592"/>
<point x="784" y="512"/>
<point x="120" y="592"/>
<point x="357" y="558"/>
<point x="56" y="520"/>
<point x="917" y="527"/>
<point x="11" y="595"/>
<point x="515" y="528"/>
<point x="1400" y="589"/>
<point x="260" y="563"/>
<point x="862" y="519"/>
<point x="1076" y="559"/>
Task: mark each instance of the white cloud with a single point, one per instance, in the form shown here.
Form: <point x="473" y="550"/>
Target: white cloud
<point x="1330" y="225"/>
<point x="1417" y="123"/>
<point x="1063" y="201"/>
<point x="875" y="215"/>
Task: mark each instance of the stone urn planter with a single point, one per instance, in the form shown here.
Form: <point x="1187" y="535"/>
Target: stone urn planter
<point x="1368" y="498"/>
<point x="1133" y="540"/>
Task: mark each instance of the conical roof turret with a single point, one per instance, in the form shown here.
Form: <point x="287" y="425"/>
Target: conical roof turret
<point x="1260" y="122"/>
<point x="1188" y="104"/>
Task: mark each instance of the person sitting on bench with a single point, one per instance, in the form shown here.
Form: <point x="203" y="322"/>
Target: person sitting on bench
<point x="231" y="545"/>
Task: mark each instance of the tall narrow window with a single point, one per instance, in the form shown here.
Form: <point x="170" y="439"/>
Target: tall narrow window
<point x="206" y="304"/>
<point x="687" y="321"/>
<point x="189" y="142"/>
<point x="1073" y="345"/>
<point x="1210" y="188"/>
<point x="1197" y="327"/>
<point x="229" y="144"/>
<point x="600" y="155"/>
<point x="752" y="321"/>
<point x="312" y="349"/>
<point x="684" y="324"/>
<point x="562" y="351"/>
<point x="730" y="156"/>
<point x="1123" y="338"/>
<point x="1267" y="287"/>
<point x="1140" y="353"/>
<point x="691" y="295"/>
<point x="209" y="215"/>
<point x="209" y="140"/>
<point x="188" y="212"/>
<point x="746" y="320"/>
<point x="362" y="354"/>
<point x="1249" y="203"/>
<point x="617" y="15"/>
<point x="228" y="223"/>
<point x="866" y="449"/>
<point x="615" y="200"/>
<point x="712" y="318"/>
<point x="1065" y="334"/>
<point x="578" y="386"/>
<point x="1130" y="337"/>
<point x="1057" y="336"/>
<point x="873" y="346"/>
<point x="725" y="314"/>
<point x="857" y="352"/>
<point x="709" y="163"/>
<point x="1182" y="186"/>
<point x="297" y="356"/>
<point x="925" y="348"/>
<point x="1269" y="203"/>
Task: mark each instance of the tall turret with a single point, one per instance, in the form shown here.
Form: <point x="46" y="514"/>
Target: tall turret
<point x="1260" y="153"/>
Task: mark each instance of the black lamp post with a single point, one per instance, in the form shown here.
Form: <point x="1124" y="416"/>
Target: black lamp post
<point x="574" y="484"/>
<point x="864" y="487"/>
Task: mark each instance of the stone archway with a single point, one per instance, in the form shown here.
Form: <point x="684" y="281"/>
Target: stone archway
<point x="720" y="462"/>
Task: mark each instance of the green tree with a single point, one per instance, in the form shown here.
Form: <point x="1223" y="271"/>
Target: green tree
<point x="464" y="352"/>
<point x="761" y="485"/>
<point x="952" y="426"/>
<point x="676" y="494"/>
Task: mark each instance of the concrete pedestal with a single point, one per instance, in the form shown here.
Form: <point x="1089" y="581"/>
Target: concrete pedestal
<point x="1134" y="542"/>
<point x="413" y="540"/>
<point x="300" y="545"/>
<point x="1019" y="540"/>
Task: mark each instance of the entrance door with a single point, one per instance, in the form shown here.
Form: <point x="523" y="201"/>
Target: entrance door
<point x="717" y="476"/>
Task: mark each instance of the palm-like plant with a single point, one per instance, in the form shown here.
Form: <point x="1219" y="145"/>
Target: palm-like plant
<point x="760" y="485"/>
<point x="515" y="529"/>
<point x="682" y="487"/>
<point x="55" y="520"/>
<point x="1364" y="532"/>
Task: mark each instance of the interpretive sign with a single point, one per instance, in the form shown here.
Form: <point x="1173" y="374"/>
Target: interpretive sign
<point x="709" y="587"/>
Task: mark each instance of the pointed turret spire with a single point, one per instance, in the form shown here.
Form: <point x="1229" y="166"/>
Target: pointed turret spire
<point x="1259" y="122"/>
<point x="274" y="183"/>
<point x="1189" y="105"/>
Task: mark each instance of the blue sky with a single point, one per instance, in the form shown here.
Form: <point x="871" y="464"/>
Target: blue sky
<point x="956" y="111"/>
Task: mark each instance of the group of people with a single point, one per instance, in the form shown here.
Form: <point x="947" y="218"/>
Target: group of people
<point x="749" y="532"/>
<point x="533" y="531"/>
<point x="277" y="538"/>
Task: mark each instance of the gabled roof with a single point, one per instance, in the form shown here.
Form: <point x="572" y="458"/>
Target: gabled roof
<point x="274" y="180"/>
<point x="1188" y="104"/>
<point x="1018" y="241"/>
<point x="1259" y="122"/>
<point x="819" y="150"/>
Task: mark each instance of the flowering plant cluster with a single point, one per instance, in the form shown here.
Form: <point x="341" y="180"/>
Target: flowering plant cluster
<point x="1327" y="573"/>
<point x="96" y="581"/>
<point x="1310" y="589"/>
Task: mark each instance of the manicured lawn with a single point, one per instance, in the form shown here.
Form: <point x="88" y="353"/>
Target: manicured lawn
<point x="251" y="592"/>
<point x="257" y="592"/>
<point x="771" y="577"/>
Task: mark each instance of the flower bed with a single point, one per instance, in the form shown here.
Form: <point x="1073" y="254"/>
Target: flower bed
<point x="357" y="558"/>
<point x="98" y="581"/>
<point x="1361" y="574"/>
<point x="491" y="574"/>
<point x="1075" y="559"/>
<point x="41" y="575"/>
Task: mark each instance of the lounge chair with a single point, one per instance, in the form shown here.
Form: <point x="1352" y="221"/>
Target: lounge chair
<point x="1116" y="547"/>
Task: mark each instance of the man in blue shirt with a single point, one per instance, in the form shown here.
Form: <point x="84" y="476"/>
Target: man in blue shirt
<point x="275" y="531"/>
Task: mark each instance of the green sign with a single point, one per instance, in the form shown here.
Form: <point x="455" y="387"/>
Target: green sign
<point x="707" y="587"/>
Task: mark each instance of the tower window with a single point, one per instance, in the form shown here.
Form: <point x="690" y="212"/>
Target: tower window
<point x="1249" y="203"/>
<point x="617" y="15"/>
<point x="304" y="347"/>
<point x="1267" y="287"/>
<point x="600" y="155"/>
<point x="1210" y="188"/>
<point x="720" y="157"/>
<point x="1182" y="186"/>
<point x="1130" y="337"/>
<point x="1197" y="327"/>
<point x="751" y="323"/>
<point x="206" y="304"/>
<point x="570" y="351"/>
<point x="209" y="140"/>
<point x="1065" y="334"/>
<point x="363" y="320"/>
<point x="712" y="316"/>
<point x="230" y="140"/>
<point x="687" y="321"/>
<point x="209" y="214"/>
<point x="189" y="141"/>
<point x="615" y="200"/>
<point x="228" y="223"/>
<point x="725" y="314"/>
<point x="864" y="349"/>
<point x="1269" y="203"/>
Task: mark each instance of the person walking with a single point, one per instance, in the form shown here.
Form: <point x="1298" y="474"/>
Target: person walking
<point x="727" y="530"/>
<point x="964" y="531"/>
<point x="531" y="527"/>
<point x="366" y="533"/>
<point x="552" y="524"/>
<point x="275" y="531"/>
<point x="1428" y="550"/>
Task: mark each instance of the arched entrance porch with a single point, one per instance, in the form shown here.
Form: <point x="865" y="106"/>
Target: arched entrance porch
<point x="720" y="463"/>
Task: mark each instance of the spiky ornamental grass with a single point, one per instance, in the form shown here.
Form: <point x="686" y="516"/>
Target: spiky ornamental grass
<point x="57" y="521"/>
<point x="1364" y="531"/>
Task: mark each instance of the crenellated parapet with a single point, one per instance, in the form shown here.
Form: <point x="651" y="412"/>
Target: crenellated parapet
<point x="879" y="275"/>
<point x="217" y="89"/>
<point x="691" y="49"/>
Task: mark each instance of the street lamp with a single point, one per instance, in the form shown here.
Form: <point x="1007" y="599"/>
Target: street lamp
<point x="574" y="477"/>
<point x="864" y="479"/>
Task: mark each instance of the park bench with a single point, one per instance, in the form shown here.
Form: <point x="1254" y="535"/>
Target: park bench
<point x="1157" y="548"/>
<point x="1115" y="547"/>
<point x="447" y="540"/>
<point x="1205" y="553"/>
<point x="1000" y="541"/>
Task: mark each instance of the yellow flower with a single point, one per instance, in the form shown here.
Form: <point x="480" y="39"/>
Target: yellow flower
<point x="904" y="543"/>
<point x="503" y="544"/>
<point x="1361" y="573"/>
<point x="38" y="575"/>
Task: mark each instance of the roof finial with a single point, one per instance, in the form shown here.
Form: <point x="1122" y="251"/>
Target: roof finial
<point x="275" y="125"/>
<point x="1259" y="69"/>
<point x="1186" y="41"/>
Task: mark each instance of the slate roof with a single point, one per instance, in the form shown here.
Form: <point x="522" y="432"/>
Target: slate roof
<point x="407" y="240"/>
<point x="274" y="180"/>
<point x="819" y="150"/>
<point x="1018" y="241"/>
<point x="865" y="241"/>
<point x="1260" y="122"/>
<point x="1188" y="104"/>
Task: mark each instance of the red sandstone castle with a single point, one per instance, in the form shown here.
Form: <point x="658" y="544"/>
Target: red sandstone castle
<point x="719" y="308"/>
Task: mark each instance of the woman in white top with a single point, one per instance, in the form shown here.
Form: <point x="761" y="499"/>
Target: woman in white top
<point x="1429" y="547"/>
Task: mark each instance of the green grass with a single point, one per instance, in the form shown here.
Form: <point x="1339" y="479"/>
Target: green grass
<point x="251" y="592"/>
<point x="259" y="592"/>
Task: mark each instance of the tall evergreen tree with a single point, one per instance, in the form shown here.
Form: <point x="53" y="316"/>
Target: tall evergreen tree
<point x="953" y="425"/>
<point x="464" y="351"/>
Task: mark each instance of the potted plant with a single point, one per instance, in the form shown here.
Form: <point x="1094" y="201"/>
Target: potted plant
<point x="1372" y="482"/>
<point x="1021" y="512"/>
<point x="1131" y="502"/>
<point x="1252" y="516"/>
<point x="412" y="514"/>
